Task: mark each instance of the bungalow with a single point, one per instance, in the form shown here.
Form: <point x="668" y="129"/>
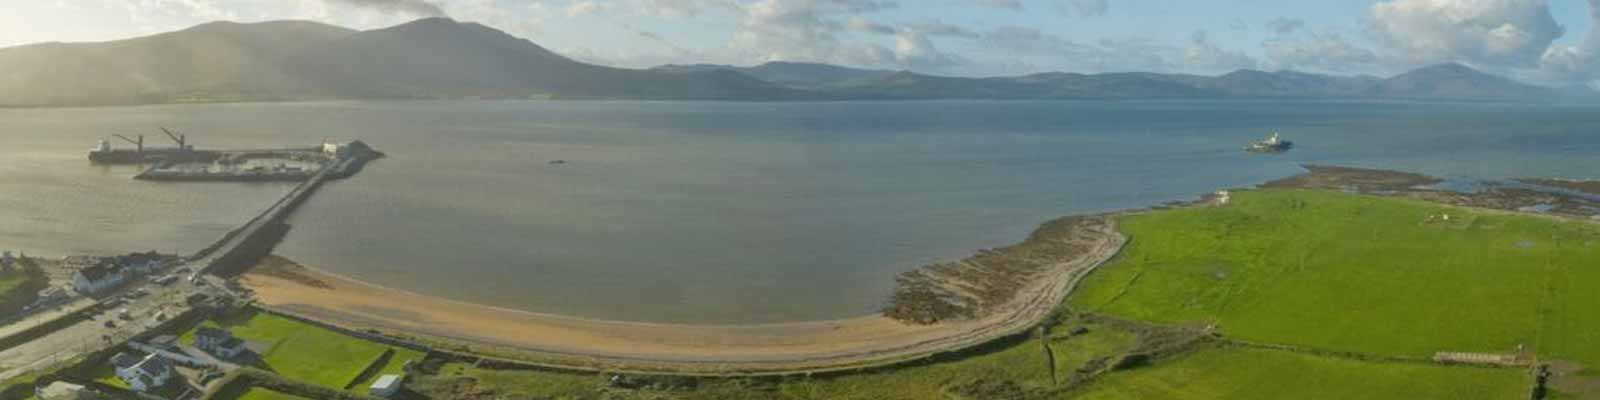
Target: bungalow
<point x="142" y="374"/>
<point x="103" y="275"/>
<point x="219" y="342"/>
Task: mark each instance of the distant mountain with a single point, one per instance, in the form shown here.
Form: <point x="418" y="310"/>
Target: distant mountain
<point x="792" y="74"/>
<point x="213" y="61"/>
<point x="1248" y="82"/>
<point x="1442" y="82"/>
<point x="1455" y="81"/>
<point x="440" y="58"/>
<point x="428" y="58"/>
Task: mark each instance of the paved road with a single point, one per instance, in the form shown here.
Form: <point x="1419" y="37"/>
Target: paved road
<point x="92" y="334"/>
<point x="46" y="316"/>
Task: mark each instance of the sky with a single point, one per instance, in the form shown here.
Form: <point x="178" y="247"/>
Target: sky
<point x="1543" y="41"/>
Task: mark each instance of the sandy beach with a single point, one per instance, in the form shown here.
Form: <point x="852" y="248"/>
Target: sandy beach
<point x="281" y="284"/>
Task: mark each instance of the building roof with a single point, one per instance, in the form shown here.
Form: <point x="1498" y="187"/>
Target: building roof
<point x="211" y="332"/>
<point x="100" y="270"/>
<point x="386" y="382"/>
<point x="164" y="341"/>
<point x="124" y="360"/>
<point x="154" y="365"/>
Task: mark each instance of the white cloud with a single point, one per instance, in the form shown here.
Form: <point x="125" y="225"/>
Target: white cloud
<point x="1023" y="50"/>
<point x="1202" y="54"/>
<point x="581" y="8"/>
<point x="830" y="31"/>
<point x="1321" y="52"/>
<point x="1083" y="8"/>
<point x="1013" y="5"/>
<point x="1576" y="63"/>
<point x="1284" y="26"/>
<point x="1496" y="33"/>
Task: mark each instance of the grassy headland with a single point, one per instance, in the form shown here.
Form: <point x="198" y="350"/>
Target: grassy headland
<point x="1364" y="274"/>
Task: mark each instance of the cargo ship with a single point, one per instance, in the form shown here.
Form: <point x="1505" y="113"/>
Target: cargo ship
<point x="102" y="153"/>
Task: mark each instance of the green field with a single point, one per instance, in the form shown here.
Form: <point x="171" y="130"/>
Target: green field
<point x="1362" y="274"/>
<point x="1018" y="372"/>
<point x="305" y="352"/>
<point x="1245" y="374"/>
<point x="1000" y="373"/>
<point x="10" y="281"/>
<point x="393" y="366"/>
<point x="255" y="393"/>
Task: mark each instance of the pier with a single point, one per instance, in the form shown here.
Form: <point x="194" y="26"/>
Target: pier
<point x="257" y="236"/>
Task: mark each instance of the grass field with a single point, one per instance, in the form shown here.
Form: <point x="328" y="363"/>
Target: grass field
<point x="1362" y="274"/>
<point x="1245" y="374"/>
<point x="393" y="365"/>
<point x="10" y="281"/>
<point x="304" y="352"/>
<point x="255" y="393"/>
<point x="1002" y="373"/>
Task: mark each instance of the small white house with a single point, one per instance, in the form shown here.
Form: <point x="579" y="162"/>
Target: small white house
<point x="142" y="374"/>
<point x="335" y="150"/>
<point x="103" y="275"/>
<point x="386" y="386"/>
<point x="219" y="342"/>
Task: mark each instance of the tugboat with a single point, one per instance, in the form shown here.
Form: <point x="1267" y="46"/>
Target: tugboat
<point x="1272" y="144"/>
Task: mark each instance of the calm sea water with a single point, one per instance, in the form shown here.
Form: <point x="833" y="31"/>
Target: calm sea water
<point x="718" y="212"/>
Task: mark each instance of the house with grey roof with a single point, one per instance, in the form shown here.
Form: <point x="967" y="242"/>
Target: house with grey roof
<point x="142" y="373"/>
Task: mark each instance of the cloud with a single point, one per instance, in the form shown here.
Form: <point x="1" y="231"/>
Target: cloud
<point x="1494" y="33"/>
<point x="582" y="8"/>
<point x="1325" y="52"/>
<point x="824" y="31"/>
<point x="1204" y="55"/>
<point x="1022" y="50"/>
<point x="681" y="8"/>
<point x="1013" y="5"/>
<point x="420" y="8"/>
<point x="1577" y="63"/>
<point x="1083" y="8"/>
<point x="1284" y="26"/>
<point x="939" y="28"/>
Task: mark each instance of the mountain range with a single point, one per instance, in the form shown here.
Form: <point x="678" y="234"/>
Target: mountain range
<point x="438" y="58"/>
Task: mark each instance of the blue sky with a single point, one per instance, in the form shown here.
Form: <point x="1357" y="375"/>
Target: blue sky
<point x="1548" y="41"/>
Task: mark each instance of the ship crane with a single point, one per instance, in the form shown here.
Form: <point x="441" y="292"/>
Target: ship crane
<point x="136" y="143"/>
<point x="180" y="139"/>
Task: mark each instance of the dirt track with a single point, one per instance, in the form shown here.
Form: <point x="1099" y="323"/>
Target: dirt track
<point x="587" y="344"/>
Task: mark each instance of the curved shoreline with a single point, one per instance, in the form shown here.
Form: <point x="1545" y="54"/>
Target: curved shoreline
<point x="583" y="343"/>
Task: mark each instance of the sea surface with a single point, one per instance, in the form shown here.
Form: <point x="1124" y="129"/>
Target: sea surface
<point x="707" y="212"/>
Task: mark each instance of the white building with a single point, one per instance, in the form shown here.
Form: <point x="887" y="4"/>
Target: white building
<point x="335" y="149"/>
<point x="142" y="374"/>
<point x="96" y="278"/>
<point x="386" y="386"/>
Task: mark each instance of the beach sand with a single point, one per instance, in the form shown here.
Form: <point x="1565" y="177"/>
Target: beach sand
<point x="802" y="346"/>
<point x="280" y="283"/>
